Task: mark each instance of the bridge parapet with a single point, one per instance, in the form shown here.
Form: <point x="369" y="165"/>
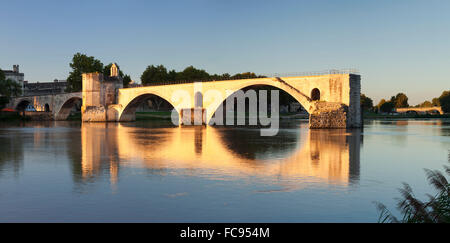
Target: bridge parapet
<point x="420" y="109"/>
<point x="59" y="105"/>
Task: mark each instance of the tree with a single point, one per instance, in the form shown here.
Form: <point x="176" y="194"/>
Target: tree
<point x="426" y="104"/>
<point x="435" y="102"/>
<point x="366" y="102"/>
<point x="192" y="74"/>
<point x="2" y="75"/>
<point x="126" y="80"/>
<point x="80" y="64"/>
<point x="400" y="100"/>
<point x="385" y="106"/>
<point x="444" y="101"/>
<point x="154" y="74"/>
<point x="246" y="75"/>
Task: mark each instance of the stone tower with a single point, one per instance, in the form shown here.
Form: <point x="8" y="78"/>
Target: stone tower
<point x="100" y="95"/>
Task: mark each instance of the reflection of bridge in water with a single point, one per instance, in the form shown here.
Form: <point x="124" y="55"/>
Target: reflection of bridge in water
<point x="318" y="155"/>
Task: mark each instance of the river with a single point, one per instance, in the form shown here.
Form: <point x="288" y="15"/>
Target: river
<point x="150" y="171"/>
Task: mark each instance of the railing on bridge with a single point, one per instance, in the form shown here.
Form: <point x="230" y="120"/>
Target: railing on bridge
<point x="273" y="75"/>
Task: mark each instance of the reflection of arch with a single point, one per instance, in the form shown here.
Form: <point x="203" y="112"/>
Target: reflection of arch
<point x="65" y="109"/>
<point x="301" y="98"/>
<point x="315" y="94"/>
<point x="129" y="112"/>
<point x="46" y="108"/>
<point x="323" y="154"/>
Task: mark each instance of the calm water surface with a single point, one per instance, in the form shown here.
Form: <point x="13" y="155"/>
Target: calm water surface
<point x="153" y="172"/>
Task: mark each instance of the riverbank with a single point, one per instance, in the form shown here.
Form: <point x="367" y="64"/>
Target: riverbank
<point x="403" y="116"/>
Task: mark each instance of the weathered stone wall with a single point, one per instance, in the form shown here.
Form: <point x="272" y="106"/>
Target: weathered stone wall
<point x="328" y="115"/>
<point x="93" y="114"/>
<point x="59" y="105"/>
<point x="100" y="97"/>
<point x="39" y="115"/>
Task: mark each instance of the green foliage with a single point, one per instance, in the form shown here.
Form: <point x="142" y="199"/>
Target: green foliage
<point x="435" y="102"/>
<point x="385" y="106"/>
<point x="366" y="102"/>
<point x="126" y="80"/>
<point x="444" y="101"/>
<point x="426" y="104"/>
<point x="435" y="210"/>
<point x="400" y="100"/>
<point x="159" y="74"/>
<point x="156" y="74"/>
<point x="2" y="75"/>
<point x="192" y="74"/>
<point x="246" y="75"/>
<point x="80" y="64"/>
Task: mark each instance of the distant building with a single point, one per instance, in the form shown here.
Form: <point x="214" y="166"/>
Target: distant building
<point x="15" y="75"/>
<point x="46" y="88"/>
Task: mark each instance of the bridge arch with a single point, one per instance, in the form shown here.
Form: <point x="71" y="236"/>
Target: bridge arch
<point x="22" y="104"/>
<point x="299" y="96"/>
<point x="64" y="112"/>
<point x="129" y="111"/>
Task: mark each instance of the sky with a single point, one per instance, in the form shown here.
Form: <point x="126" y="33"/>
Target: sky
<point x="397" y="46"/>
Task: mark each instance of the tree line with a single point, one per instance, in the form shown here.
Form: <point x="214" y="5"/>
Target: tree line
<point x="401" y="101"/>
<point x="81" y="63"/>
<point x="159" y="74"/>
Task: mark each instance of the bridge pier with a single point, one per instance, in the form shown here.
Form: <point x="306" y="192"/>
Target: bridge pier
<point x="329" y="115"/>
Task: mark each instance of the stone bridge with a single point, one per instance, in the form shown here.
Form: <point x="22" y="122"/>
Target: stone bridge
<point x="420" y="109"/>
<point x="59" y="105"/>
<point x="332" y="100"/>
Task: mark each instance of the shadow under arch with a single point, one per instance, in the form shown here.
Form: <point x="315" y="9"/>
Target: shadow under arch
<point x="250" y="146"/>
<point x="285" y="95"/>
<point x="129" y="112"/>
<point x="22" y="105"/>
<point x="66" y="108"/>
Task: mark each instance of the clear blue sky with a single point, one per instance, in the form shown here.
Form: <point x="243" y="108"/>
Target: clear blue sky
<point x="398" y="46"/>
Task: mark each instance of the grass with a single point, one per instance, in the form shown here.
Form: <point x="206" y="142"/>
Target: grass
<point x="74" y="117"/>
<point x="155" y="115"/>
